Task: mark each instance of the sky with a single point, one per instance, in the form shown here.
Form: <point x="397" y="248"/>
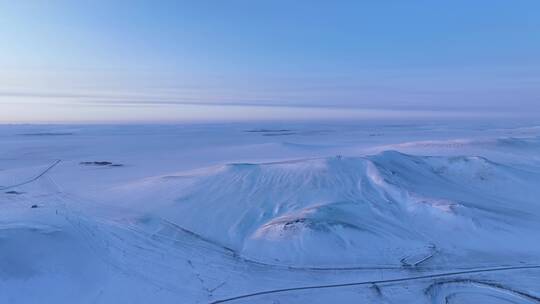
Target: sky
<point x="166" y="61"/>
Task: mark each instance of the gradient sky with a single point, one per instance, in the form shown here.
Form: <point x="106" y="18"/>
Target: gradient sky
<point x="84" y="61"/>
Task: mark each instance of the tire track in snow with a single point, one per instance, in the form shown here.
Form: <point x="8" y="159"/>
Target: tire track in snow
<point x="34" y="178"/>
<point x="445" y="295"/>
<point x="236" y="255"/>
<point x="397" y="280"/>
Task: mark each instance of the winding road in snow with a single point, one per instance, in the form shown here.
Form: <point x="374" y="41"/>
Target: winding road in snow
<point x="34" y="178"/>
<point x="430" y="276"/>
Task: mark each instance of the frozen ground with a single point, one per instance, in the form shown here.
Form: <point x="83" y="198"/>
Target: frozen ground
<point x="292" y="213"/>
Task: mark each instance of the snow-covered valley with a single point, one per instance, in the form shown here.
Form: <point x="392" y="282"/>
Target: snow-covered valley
<point x="289" y="213"/>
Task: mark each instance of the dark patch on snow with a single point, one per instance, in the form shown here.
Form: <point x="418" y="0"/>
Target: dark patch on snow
<point x="279" y="134"/>
<point x="314" y="224"/>
<point x="291" y="224"/>
<point x="376" y="289"/>
<point x="272" y="132"/>
<point x="100" y="164"/>
<point x="47" y="134"/>
<point x="14" y="192"/>
<point x="97" y="163"/>
<point x="268" y="130"/>
<point x="34" y="206"/>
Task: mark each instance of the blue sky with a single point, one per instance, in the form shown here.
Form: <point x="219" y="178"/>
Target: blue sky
<point x="238" y="60"/>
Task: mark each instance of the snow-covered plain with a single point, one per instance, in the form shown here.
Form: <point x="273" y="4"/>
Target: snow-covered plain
<point x="372" y="212"/>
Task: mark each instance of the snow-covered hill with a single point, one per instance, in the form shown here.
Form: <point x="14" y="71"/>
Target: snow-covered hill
<point x="375" y="210"/>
